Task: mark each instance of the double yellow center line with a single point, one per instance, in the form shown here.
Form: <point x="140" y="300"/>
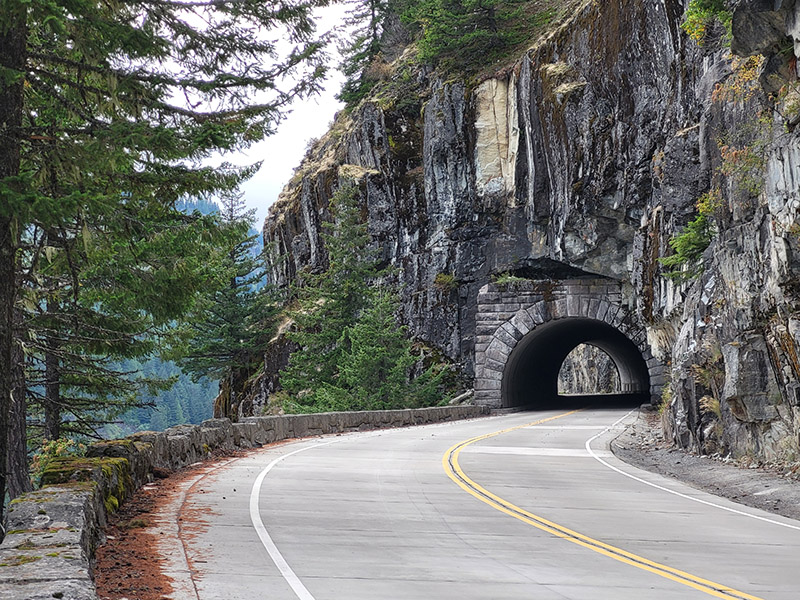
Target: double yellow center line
<point x="455" y="472"/>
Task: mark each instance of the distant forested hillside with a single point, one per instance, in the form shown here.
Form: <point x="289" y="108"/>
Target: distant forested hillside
<point x="203" y="206"/>
<point x="186" y="401"/>
<point x="206" y="207"/>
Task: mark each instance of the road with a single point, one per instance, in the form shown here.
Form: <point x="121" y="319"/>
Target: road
<point x="528" y="505"/>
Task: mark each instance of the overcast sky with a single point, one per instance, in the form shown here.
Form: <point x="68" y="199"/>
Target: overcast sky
<point x="282" y="152"/>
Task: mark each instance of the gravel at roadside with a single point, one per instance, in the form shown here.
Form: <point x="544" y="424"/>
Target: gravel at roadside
<point x="642" y="445"/>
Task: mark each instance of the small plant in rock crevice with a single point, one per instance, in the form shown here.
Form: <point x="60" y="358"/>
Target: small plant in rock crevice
<point x="688" y="246"/>
<point x="666" y="391"/>
<point x="744" y="166"/>
<point x="743" y="83"/>
<point x="710" y="376"/>
<point x="787" y="104"/>
<point x="445" y="282"/>
<point x="709" y="405"/>
<point x="507" y="278"/>
<point x="744" y="148"/>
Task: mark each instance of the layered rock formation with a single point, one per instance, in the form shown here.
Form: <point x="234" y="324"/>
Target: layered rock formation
<point x="585" y="157"/>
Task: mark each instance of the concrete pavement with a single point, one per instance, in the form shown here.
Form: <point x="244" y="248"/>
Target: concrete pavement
<point x="451" y="511"/>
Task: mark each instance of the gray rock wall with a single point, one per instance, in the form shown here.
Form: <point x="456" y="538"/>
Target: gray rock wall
<point x="585" y="157"/>
<point x="549" y="160"/>
<point x="734" y="339"/>
<point x="52" y="533"/>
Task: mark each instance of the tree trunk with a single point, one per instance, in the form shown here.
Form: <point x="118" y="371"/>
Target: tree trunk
<point x="13" y="41"/>
<point x="52" y="389"/>
<point x="52" y="363"/>
<point x="19" y="475"/>
<point x="8" y="295"/>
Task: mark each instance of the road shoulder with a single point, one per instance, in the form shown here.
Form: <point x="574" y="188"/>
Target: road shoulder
<point x="642" y="445"/>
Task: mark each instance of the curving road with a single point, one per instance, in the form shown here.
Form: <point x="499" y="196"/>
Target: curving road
<point x="523" y="506"/>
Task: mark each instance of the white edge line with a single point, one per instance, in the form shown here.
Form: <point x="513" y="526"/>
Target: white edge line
<point x="664" y="489"/>
<point x="280" y="562"/>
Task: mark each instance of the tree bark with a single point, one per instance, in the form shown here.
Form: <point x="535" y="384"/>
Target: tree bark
<point x="52" y="389"/>
<point x="19" y="475"/>
<point x="13" y="41"/>
<point x="8" y="295"/>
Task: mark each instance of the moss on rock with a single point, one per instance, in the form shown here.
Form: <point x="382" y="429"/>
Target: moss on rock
<point x="112" y="474"/>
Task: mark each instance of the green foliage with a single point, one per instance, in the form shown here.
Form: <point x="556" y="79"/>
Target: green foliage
<point x="446" y="282"/>
<point x="330" y="301"/>
<point x="701" y="14"/>
<point x="230" y="326"/>
<point x="689" y="245"/>
<point x="361" y="49"/>
<point x="358" y="86"/>
<point x="688" y="248"/>
<point x="52" y="449"/>
<point x="109" y="110"/>
<point x="101" y="98"/>
<point x="373" y="365"/>
<point x="353" y="355"/>
<point x="467" y="27"/>
<point x="507" y="278"/>
<point x="103" y="290"/>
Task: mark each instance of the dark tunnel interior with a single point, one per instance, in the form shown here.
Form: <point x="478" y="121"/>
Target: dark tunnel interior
<point x="530" y="379"/>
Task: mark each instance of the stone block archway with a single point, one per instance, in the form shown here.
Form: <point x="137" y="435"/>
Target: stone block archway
<point x="526" y="329"/>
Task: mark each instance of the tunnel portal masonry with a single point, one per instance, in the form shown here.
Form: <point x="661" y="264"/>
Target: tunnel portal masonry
<point x="526" y="329"/>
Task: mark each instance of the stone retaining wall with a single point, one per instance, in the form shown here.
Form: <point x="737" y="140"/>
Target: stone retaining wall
<point x="52" y="533"/>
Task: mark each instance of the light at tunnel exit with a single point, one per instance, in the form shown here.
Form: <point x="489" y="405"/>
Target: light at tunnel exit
<point x="530" y="378"/>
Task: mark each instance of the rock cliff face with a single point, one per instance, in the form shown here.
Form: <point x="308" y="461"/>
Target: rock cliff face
<point x="585" y="157"/>
<point x="588" y="370"/>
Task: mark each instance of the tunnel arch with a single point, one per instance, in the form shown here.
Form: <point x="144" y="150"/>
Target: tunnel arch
<point x="531" y="373"/>
<point x="525" y="334"/>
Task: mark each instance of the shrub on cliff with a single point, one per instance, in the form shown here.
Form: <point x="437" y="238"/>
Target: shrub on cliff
<point x="703" y="15"/>
<point x="688" y="246"/>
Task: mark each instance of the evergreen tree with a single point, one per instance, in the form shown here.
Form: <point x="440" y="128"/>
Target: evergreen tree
<point x="361" y="50"/>
<point x="463" y="31"/>
<point x="13" y="46"/>
<point x="377" y="359"/>
<point x="330" y="301"/>
<point x="98" y="293"/>
<point x="354" y="355"/>
<point x="231" y="327"/>
<point x="112" y="105"/>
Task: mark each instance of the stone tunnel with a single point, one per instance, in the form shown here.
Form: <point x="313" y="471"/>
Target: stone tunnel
<point x="526" y="329"/>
